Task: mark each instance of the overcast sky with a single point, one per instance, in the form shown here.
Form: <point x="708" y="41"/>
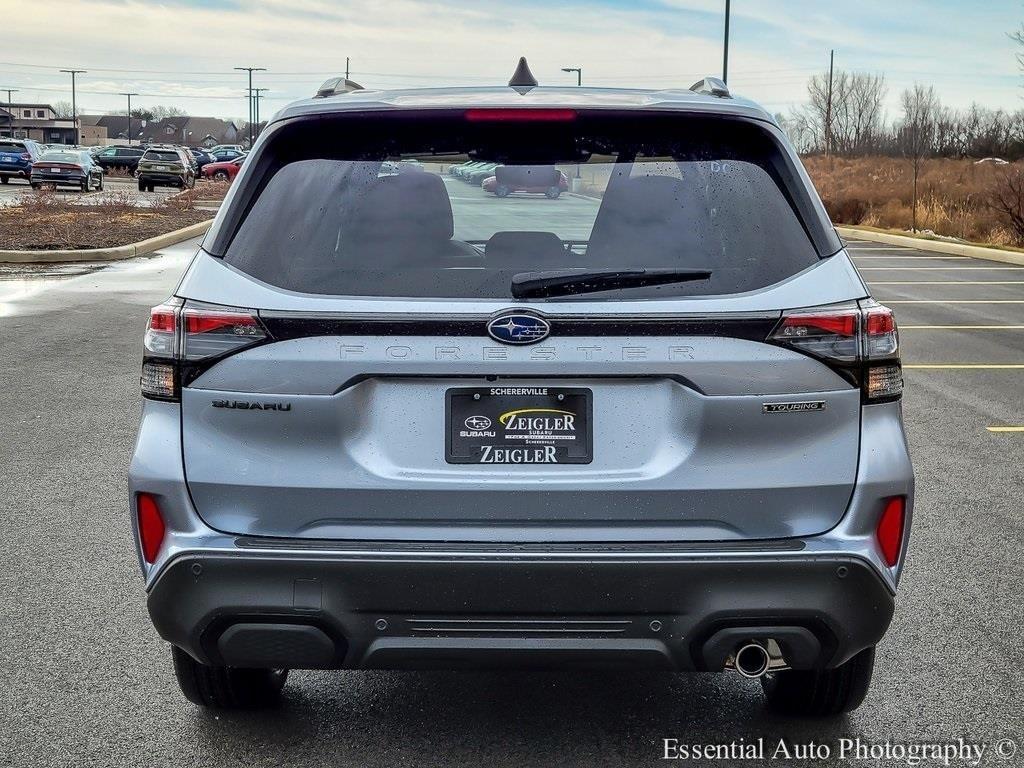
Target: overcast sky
<point x="182" y="52"/>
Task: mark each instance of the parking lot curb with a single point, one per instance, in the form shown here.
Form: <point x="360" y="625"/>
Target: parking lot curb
<point x="108" y="254"/>
<point x="936" y="246"/>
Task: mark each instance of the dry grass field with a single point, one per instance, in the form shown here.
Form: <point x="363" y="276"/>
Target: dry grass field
<point x="877" y="192"/>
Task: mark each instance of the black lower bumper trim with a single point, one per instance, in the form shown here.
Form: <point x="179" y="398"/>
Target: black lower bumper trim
<point x="380" y="612"/>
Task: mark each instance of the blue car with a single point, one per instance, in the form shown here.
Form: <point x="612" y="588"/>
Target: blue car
<point x="16" y="158"/>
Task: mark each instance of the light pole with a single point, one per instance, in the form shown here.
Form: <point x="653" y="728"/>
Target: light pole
<point x="725" y="49"/>
<point x="129" y="95"/>
<point x="250" y="70"/>
<point x="10" y="120"/>
<point x="578" y="71"/>
<point x="257" y="94"/>
<point x="74" y="104"/>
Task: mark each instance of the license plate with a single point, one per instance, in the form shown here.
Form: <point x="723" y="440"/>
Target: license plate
<point x="519" y="425"/>
<point x="161" y="167"/>
<point x="8" y="160"/>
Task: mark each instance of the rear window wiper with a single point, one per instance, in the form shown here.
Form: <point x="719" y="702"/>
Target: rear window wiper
<point x="569" y="281"/>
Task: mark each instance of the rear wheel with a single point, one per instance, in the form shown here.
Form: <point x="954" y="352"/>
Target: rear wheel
<point x="221" y="175"/>
<point x="227" y="687"/>
<point x="85" y="184"/>
<point x="821" y="692"/>
<point x="99" y="182"/>
<point x="552" y="193"/>
<point x="142" y="186"/>
<point x="502" y="190"/>
<point x="4" y="179"/>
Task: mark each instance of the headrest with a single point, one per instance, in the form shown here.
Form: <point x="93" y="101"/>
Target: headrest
<point x="408" y="207"/>
<point x="646" y="199"/>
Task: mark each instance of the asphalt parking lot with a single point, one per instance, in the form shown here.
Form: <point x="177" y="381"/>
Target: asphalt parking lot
<point x="86" y="681"/>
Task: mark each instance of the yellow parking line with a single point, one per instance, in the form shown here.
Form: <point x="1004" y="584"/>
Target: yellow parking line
<point x="947" y="282"/>
<point x="964" y="366"/>
<point x="953" y="301"/>
<point x="958" y="327"/>
<point x="1005" y="429"/>
<point x="854" y="255"/>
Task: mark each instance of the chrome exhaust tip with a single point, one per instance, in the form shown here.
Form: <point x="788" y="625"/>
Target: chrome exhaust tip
<point x="752" y="660"/>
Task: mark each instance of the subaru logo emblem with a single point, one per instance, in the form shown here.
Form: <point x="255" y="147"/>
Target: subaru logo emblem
<point x="518" y="328"/>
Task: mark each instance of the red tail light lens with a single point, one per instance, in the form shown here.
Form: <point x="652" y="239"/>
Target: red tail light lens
<point x="521" y="115"/>
<point x="890" y="529"/>
<point x="181" y="337"/>
<point x="825" y="334"/>
<point x="151" y="526"/>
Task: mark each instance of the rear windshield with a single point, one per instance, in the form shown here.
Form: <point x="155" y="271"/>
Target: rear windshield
<point x="12" y="146"/>
<point x="161" y="157"/>
<point x="458" y="210"/>
<point x="61" y="157"/>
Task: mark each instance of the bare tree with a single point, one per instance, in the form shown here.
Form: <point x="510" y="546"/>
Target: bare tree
<point x="1007" y="200"/>
<point x="63" y="110"/>
<point x="917" y="132"/>
<point x="160" y="112"/>
<point x="853" y="123"/>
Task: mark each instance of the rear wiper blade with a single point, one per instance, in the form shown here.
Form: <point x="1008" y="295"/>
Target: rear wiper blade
<point x="568" y="281"/>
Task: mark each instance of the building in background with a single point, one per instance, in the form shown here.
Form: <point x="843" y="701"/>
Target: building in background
<point x="184" y="130"/>
<point x="36" y="121"/>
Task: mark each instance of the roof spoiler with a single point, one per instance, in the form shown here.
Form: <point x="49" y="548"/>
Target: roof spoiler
<point x="336" y="85"/>
<point x="712" y="86"/>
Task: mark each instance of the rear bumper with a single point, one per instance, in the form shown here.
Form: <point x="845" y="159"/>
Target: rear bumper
<point x="415" y="609"/>
<point x="13" y="171"/>
<point x="163" y="179"/>
<point x="72" y="179"/>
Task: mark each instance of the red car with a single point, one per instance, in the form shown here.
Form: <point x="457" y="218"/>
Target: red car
<point x="223" y="171"/>
<point x="546" y="180"/>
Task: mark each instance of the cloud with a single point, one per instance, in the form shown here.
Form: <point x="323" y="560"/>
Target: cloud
<point x="402" y="43"/>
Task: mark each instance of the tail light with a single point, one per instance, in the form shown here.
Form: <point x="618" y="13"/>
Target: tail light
<point x="889" y="532"/>
<point x="26" y="156"/>
<point x="151" y="526"/>
<point x="861" y="343"/>
<point x="184" y="339"/>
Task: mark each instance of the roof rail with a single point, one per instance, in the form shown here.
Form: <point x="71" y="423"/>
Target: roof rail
<point x="712" y="86"/>
<point x="336" y="85"/>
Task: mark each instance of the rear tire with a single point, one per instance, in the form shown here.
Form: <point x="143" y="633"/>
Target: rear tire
<point x="821" y="692"/>
<point x="85" y="184"/>
<point x="142" y="186"/>
<point x="227" y="687"/>
<point x="220" y="176"/>
<point x="4" y="179"/>
<point x="502" y="190"/>
<point x="552" y="193"/>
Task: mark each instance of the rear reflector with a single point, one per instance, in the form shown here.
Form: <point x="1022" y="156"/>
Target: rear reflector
<point x="521" y="115"/>
<point x="151" y="526"/>
<point x="890" y="529"/>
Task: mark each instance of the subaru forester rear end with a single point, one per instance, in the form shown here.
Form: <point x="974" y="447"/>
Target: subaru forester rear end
<point x="394" y="421"/>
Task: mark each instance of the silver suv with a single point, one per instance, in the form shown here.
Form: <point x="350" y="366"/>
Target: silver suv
<point x="394" y="421"/>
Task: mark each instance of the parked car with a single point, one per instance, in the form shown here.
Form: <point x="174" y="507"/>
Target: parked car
<point x="202" y="158"/>
<point x="123" y="158"/>
<point x="460" y="171"/>
<point x="72" y="167"/>
<point x="166" y="166"/>
<point x="222" y="147"/>
<point x="223" y="171"/>
<point x="476" y="176"/>
<point x="222" y="155"/>
<point x="16" y="158"/>
<point x="542" y="180"/>
<point x="385" y="426"/>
